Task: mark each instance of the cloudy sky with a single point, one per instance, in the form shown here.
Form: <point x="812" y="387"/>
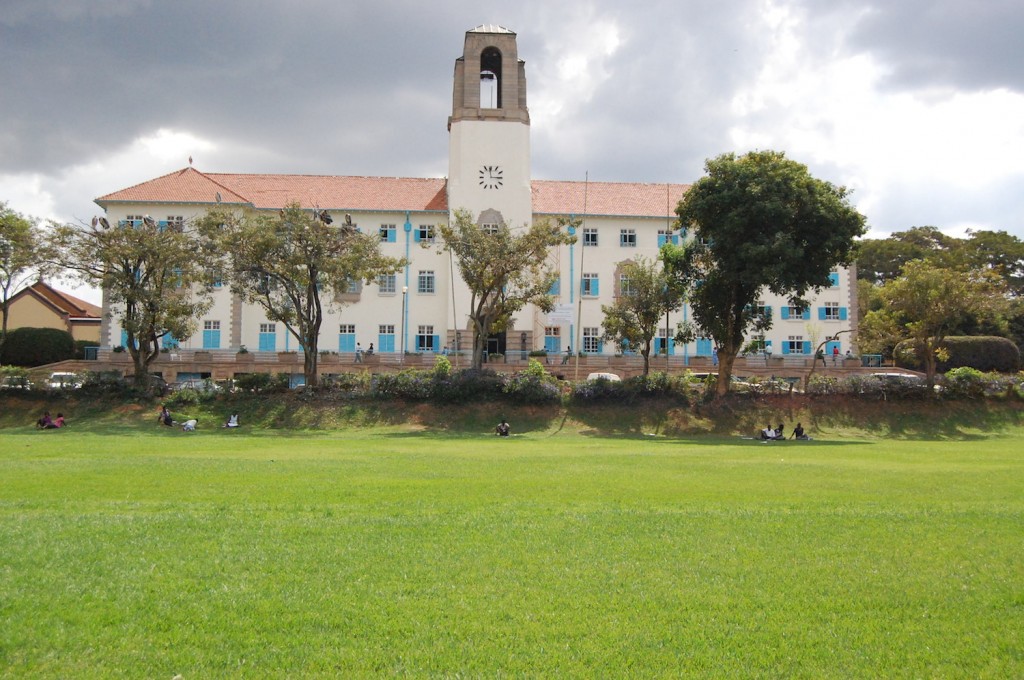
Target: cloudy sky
<point x="917" y="105"/>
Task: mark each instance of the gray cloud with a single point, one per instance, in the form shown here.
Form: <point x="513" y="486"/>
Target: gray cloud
<point x="365" y="88"/>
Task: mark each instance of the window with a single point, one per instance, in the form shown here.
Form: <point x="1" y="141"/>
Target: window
<point x="174" y="223"/>
<point x="625" y="286"/>
<point x="794" y="345"/>
<point x="346" y="337"/>
<point x="387" y="233"/>
<point x="664" y="340"/>
<point x="552" y="339"/>
<point x="425" y="282"/>
<point x="790" y="312"/>
<point x="490" y="228"/>
<point x="592" y="340"/>
<point x="556" y="287"/>
<point x="589" y="285"/>
<point x="211" y="334"/>
<point x="386" y="337"/>
<point x="354" y="286"/>
<point x="132" y="221"/>
<point x="667" y="236"/>
<point x="425" y="233"/>
<point x="831" y="311"/>
<point x="426" y="341"/>
<point x="590" y="237"/>
<point x="762" y="310"/>
<point x="834" y="279"/>
<point x="268" y="337"/>
<point x="627" y="238"/>
<point x="386" y="283"/>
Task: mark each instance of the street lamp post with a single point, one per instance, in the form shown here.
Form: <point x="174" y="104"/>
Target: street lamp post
<point x="405" y="294"/>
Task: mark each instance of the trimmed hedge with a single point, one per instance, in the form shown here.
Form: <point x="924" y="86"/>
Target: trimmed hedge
<point x="38" y="346"/>
<point x="983" y="352"/>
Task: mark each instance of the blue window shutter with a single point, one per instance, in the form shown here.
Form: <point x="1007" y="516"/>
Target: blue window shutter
<point x="842" y="313"/>
<point x="600" y="346"/>
<point x="437" y="343"/>
<point x="391" y="235"/>
<point x="268" y="342"/>
<point x="671" y="346"/>
<point x="785" y="348"/>
<point x="768" y="310"/>
<point x="807" y="346"/>
<point x="556" y="287"/>
<point x="124" y="338"/>
<point x="821" y="313"/>
<point x="346" y="342"/>
<point x="595" y="288"/>
<point x="416" y="235"/>
<point x="785" y="313"/>
<point x="834" y="279"/>
<point x="662" y="239"/>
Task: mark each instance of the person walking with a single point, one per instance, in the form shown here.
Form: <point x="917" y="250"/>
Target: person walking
<point x="568" y="355"/>
<point x="359" y="353"/>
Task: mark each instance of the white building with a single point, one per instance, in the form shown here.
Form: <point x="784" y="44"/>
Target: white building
<point x="488" y="175"/>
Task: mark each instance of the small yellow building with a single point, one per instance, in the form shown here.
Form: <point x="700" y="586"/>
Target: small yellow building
<point x="42" y="306"/>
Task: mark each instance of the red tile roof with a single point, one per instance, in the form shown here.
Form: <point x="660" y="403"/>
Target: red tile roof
<point x="61" y="301"/>
<point x="621" y="199"/>
<point x="391" y="194"/>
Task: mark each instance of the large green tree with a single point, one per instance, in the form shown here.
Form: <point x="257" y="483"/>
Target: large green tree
<point x="295" y="263"/>
<point x="759" y="222"/>
<point x="645" y="295"/>
<point x="926" y="303"/>
<point x="157" y="278"/>
<point x="882" y="260"/>
<point x="504" y="269"/>
<point x="20" y="239"/>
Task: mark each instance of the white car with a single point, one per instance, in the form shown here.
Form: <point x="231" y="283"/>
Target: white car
<point x="610" y="377"/>
<point x="60" y="380"/>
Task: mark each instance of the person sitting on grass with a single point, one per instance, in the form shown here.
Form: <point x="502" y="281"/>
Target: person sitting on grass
<point x="767" y="434"/>
<point x="780" y="432"/>
<point x="59" y="421"/>
<point x="189" y="425"/>
<point x="232" y="420"/>
<point x="798" y="433"/>
<point x="164" y="417"/>
<point x="503" y="428"/>
<point x="45" y="422"/>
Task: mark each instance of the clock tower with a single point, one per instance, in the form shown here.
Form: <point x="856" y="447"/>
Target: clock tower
<point x="489" y="131"/>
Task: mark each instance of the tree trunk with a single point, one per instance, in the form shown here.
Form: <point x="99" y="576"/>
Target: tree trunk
<point x="726" y="359"/>
<point x="309" y="367"/>
<point x="646" y="353"/>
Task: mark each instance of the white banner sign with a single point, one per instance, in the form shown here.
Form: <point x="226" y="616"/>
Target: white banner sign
<point x="561" y="314"/>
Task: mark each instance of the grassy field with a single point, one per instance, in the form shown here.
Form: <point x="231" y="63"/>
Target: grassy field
<point x="139" y="552"/>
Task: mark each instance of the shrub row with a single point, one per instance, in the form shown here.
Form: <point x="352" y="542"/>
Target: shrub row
<point x="37" y="346"/>
<point x="958" y="383"/>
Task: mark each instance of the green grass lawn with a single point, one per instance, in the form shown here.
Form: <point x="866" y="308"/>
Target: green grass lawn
<point x="145" y="553"/>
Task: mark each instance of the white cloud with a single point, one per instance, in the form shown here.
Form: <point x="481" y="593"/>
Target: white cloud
<point x="834" y="114"/>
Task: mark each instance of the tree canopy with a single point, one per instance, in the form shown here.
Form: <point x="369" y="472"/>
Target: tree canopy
<point x="294" y="263"/>
<point x="645" y="295"/>
<point x="157" y="277"/>
<point x="505" y="270"/>
<point x="925" y="304"/>
<point x="760" y="222"/>
<point x="20" y="240"/>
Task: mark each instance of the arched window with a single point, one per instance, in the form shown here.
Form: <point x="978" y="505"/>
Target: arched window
<point x="490" y="79"/>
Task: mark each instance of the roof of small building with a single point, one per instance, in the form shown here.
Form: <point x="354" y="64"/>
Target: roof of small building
<point x="60" y="301"/>
<point x="390" y="194"/>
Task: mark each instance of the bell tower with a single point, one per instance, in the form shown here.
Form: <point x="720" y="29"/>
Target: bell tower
<point x="489" y="130"/>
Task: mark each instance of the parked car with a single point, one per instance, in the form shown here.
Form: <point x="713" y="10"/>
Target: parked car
<point x="64" y="380"/>
<point x="15" y="382"/>
<point x="197" y="384"/>
<point x="610" y="377"/>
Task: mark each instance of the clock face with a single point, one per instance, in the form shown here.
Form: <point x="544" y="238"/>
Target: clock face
<point x="491" y="177"/>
